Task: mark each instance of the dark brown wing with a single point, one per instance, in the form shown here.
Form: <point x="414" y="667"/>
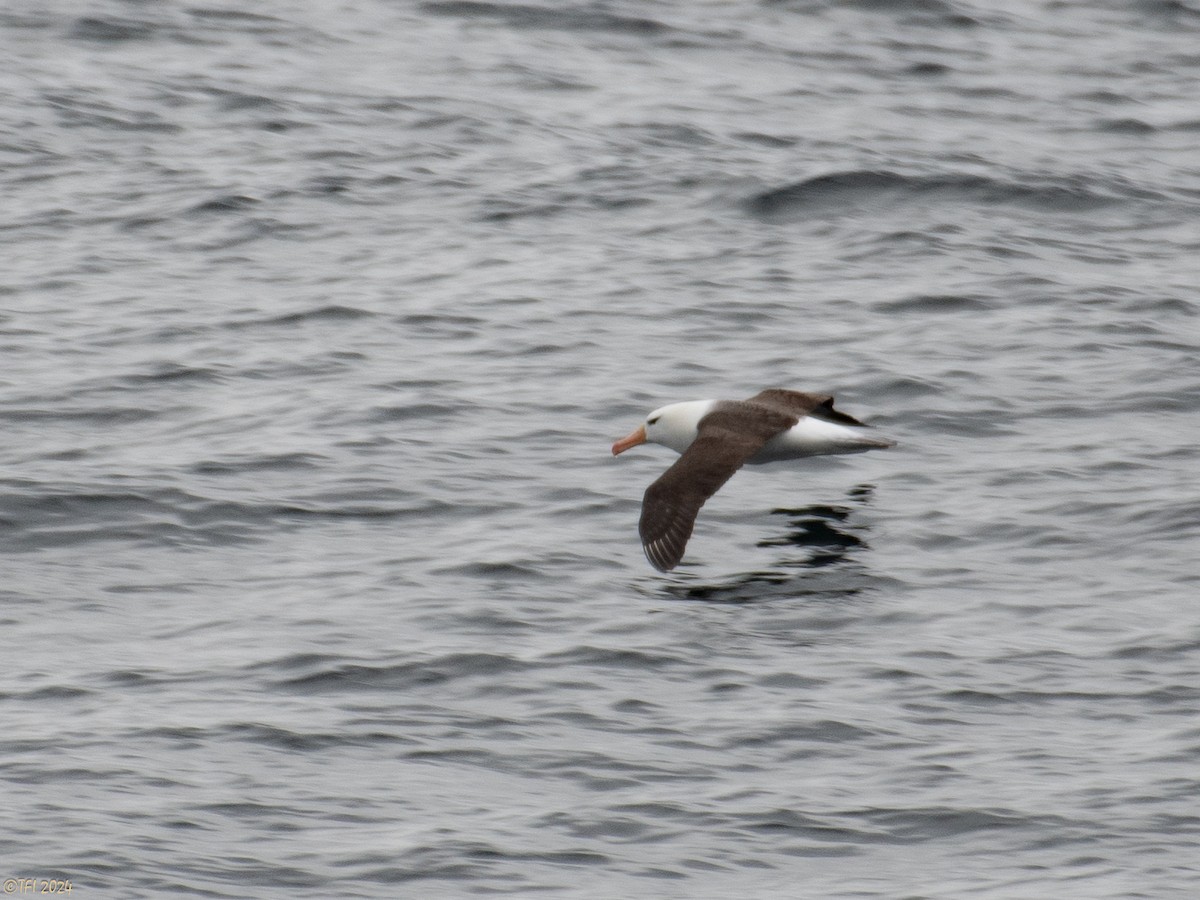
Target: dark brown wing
<point x="727" y="437"/>
<point x="798" y="403"/>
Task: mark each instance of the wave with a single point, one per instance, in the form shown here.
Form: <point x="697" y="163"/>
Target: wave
<point x="868" y="187"/>
<point x="519" y="15"/>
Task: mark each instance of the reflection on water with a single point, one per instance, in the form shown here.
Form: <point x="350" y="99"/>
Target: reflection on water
<point x="828" y="539"/>
<point x="826" y="534"/>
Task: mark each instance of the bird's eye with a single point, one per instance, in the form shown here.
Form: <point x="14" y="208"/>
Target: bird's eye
<point x="652" y="421"/>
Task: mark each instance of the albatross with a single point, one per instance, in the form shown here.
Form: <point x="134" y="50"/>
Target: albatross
<point x="715" y="438"/>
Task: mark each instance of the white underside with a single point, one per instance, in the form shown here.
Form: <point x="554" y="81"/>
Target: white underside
<point x="816" y="437"/>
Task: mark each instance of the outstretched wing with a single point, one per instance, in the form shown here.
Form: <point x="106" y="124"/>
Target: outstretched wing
<point x="727" y="437"/>
<point x="798" y="403"/>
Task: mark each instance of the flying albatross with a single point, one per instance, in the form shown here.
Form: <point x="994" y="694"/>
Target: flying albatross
<point x="715" y="438"/>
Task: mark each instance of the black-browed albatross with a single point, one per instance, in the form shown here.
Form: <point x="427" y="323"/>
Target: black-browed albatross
<point x="715" y="438"/>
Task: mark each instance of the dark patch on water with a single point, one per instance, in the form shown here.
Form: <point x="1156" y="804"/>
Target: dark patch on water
<point x="854" y="191"/>
<point x="519" y="15"/>
<point x="111" y="30"/>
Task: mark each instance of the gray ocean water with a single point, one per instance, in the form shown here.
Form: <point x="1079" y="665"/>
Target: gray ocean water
<point x="318" y="320"/>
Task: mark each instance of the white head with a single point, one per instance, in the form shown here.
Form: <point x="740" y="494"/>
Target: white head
<point x="673" y="426"/>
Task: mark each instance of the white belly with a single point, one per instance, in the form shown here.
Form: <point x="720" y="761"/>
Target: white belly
<point x="816" y="437"/>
